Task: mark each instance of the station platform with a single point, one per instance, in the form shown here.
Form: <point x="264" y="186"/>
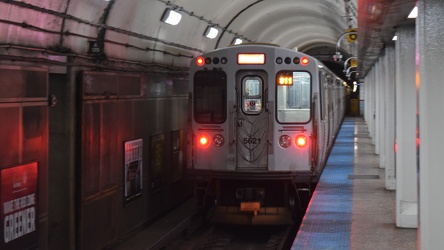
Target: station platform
<point x="350" y="208"/>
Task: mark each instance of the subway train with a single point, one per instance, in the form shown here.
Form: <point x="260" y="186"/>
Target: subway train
<point x="263" y="120"/>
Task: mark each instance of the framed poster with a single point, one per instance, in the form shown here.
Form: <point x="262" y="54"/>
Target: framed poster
<point x="19" y="206"/>
<point x="133" y="169"/>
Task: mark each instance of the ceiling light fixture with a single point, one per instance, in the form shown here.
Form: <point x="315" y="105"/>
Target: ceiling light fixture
<point x="171" y="17"/>
<point x="211" y="32"/>
<point x="413" y="13"/>
<point x="237" y="41"/>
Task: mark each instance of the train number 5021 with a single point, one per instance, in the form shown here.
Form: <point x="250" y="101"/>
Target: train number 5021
<point x="251" y="140"/>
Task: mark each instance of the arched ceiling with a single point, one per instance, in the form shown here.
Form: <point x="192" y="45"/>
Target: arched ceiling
<point x="132" y="32"/>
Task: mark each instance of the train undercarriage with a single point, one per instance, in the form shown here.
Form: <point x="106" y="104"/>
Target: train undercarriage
<point x="255" y="200"/>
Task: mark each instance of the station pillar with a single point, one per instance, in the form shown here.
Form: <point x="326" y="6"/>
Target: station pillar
<point x="406" y="178"/>
<point x="430" y="77"/>
<point x="381" y="110"/>
<point x="389" y="92"/>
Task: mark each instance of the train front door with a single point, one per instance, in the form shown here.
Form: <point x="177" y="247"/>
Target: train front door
<point x="252" y="120"/>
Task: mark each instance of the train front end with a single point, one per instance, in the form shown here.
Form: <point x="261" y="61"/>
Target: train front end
<point x="252" y="126"/>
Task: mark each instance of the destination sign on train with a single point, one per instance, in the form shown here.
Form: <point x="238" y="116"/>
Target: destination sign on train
<point x="247" y="58"/>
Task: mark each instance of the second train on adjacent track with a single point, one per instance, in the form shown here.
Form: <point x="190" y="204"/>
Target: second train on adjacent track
<point x="263" y="120"/>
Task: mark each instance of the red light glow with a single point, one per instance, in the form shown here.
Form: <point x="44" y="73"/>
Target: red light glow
<point x="304" y="61"/>
<point x="301" y="141"/>
<point x="204" y="140"/>
<point x="200" y="61"/>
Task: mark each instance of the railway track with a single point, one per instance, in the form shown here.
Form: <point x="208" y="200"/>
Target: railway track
<point x="233" y="237"/>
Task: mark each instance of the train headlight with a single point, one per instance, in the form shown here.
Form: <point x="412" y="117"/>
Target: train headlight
<point x="301" y="141"/>
<point x="203" y="140"/>
<point x="285" y="141"/>
<point x="218" y="140"/>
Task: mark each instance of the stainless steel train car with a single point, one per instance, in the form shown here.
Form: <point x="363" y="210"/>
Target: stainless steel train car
<point x="263" y="120"/>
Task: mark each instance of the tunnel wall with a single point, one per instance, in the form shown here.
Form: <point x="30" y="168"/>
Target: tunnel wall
<point x="132" y="153"/>
<point x="23" y="157"/>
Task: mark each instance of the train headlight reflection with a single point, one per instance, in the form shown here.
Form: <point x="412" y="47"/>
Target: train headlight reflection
<point x="218" y="140"/>
<point x="301" y="141"/>
<point x="285" y="141"/>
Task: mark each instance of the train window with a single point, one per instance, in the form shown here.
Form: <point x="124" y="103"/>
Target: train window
<point x="321" y="94"/>
<point x="252" y="94"/>
<point x="293" y="102"/>
<point x="252" y="86"/>
<point x="210" y="97"/>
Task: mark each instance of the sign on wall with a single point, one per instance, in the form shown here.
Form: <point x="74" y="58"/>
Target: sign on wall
<point x="18" y="212"/>
<point x="133" y="169"/>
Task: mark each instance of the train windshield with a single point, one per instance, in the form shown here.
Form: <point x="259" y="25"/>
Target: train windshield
<point x="252" y="95"/>
<point x="293" y="101"/>
<point x="210" y="97"/>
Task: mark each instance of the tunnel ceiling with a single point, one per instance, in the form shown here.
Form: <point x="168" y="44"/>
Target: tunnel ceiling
<point x="132" y="32"/>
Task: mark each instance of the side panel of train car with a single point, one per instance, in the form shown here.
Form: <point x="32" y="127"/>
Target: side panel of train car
<point x="263" y="121"/>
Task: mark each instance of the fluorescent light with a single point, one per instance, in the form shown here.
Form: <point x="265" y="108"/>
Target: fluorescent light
<point x="395" y="38"/>
<point x="237" y="41"/>
<point x="171" y="17"/>
<point x="211" y="32"/>
<point x="414" y="13"/>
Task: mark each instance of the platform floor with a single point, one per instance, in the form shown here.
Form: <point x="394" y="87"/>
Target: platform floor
<point x="350" y="208"/>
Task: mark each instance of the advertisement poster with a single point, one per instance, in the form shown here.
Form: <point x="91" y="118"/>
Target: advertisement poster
<point x="133" y="169"/>
<point x="18" y="197"/>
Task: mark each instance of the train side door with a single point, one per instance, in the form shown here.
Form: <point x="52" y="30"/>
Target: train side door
<point x="252" y="120"/>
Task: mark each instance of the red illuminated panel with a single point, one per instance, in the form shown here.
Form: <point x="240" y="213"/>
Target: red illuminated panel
<point x="251" y="59"/>
<point x="19" y="202"/>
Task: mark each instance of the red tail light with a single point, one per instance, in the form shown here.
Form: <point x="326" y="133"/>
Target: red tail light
<point x="203" y="140"/>
<point x="301" y="141"/>
<point x="304" y="61"/>
<point x="200" y="61"/>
